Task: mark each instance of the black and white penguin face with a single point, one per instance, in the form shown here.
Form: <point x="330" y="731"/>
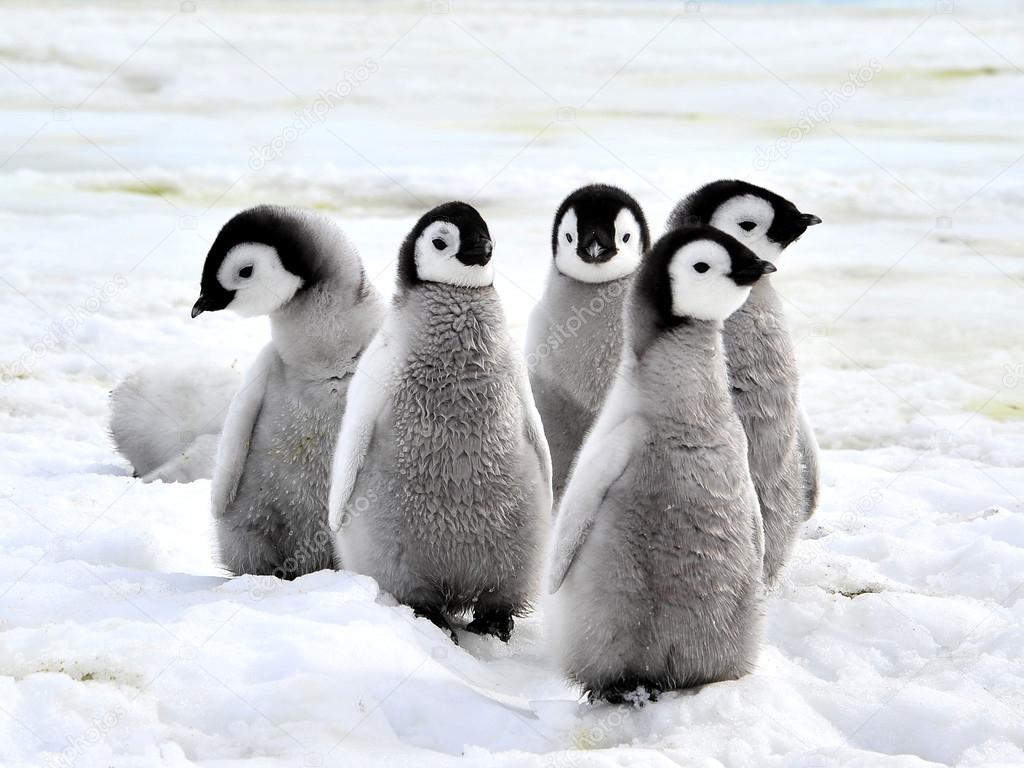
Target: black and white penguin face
<point x="256" y="265"/>
<point x="700" y="273"/>
<point x="760" y="219"/>
<point x="600" y="234"/>
<point x="451" y="244"/>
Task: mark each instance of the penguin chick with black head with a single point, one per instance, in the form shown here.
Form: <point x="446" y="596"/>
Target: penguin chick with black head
<point x="574" y="337"/>
<point x="272" y="472"/>
<point x="441" y="486"/>
<point x="657" y="560"/>
<point x="762" y="364"/>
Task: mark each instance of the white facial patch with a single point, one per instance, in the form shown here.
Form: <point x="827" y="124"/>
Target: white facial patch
<point x="625" y="262"/>
<point x="748" y="218"/>
<point x="261" y="283"/>
<point x="700" y="282"/>
<point x="435" y="252"/>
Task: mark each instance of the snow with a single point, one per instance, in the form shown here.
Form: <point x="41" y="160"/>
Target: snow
<point x="131" y="133"/>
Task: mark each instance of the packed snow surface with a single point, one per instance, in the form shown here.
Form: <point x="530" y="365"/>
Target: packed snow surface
<point x="131" y="133"/>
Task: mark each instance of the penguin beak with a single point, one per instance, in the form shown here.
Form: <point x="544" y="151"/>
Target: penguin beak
<point x="476" y="254"/>
<point x="596" y="247"/>
<point x="751" y="272"/>
<point x="809" y="219"/>
<point x="202" y="305"/>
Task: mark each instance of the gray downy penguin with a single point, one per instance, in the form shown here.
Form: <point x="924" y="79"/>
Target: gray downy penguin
<point x="574" y="337"/>
<point x="165" y="419"/>
<point x="656" y="568"/>
<point x="762" y="364"/>
<point x="272" y="473"/>
<point x="441" y="484"/>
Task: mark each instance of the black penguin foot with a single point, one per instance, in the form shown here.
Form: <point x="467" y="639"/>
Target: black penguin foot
<point x="492" y="622"/>
<point x="438" y="619"/>
<point x="625" y="693"/>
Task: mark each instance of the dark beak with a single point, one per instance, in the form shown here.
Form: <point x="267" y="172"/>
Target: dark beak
<point x="751" y="272"/>
<point x="596" y="247"/>
<point x="476" y="254"/>
<point x="809" y="219"/>
<point x="202" y="305"/>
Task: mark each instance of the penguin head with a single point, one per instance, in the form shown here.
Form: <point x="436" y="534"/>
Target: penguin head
<point x="600" y="234"/>
<point x="760" y="219"/>
<point x="449" y="244"/>
<point x="698" y="273"/>
<point x="258" y="262"/>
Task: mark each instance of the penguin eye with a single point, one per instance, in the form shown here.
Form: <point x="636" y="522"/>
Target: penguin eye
<point x="701" y="267"/>
<point x="245" y="271"/>
<point x="568" y="237"/>
<point x="439" y="243"/>
<point x="625" y="238"/>
<point x="746" y="226"/>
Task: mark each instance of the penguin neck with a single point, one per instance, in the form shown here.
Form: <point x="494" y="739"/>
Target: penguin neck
<point x="757" y="340"/>
<point x="683" y="372"/>
<point x="584" y="319"/>
<point x="322" y="331"/>
<point x="450" y="319"/>
<point x="564" y="294"/>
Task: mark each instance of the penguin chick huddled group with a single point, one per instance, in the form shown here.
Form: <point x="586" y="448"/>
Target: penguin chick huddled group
<point x="658" y="404"/>
<point x="684" y="501"/>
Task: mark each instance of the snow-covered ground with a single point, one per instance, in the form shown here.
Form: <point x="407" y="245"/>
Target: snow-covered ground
<point x="129" y="135"/>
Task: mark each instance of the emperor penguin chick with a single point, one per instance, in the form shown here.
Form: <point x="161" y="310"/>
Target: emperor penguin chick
<point x="575" y="332"/>
<point x="762" y="364"/>
<point x="441" y="486"/>
<point x="166" y="419"/>
<point x="271" y="478"/>
<point x="657" y="560"/>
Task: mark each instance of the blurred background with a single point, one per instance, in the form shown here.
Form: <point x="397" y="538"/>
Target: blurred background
<point x="130" y="132"/>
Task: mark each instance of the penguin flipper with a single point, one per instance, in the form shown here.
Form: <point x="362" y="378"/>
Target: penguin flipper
<point x="235" y="438"/>
<point x="368" y="394"/>
<point x="603" y="459"/>
<point x="534" y="429"/>
<point x="809" y="455"/>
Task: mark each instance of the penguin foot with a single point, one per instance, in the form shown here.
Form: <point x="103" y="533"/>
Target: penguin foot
<point x="438" y="619"/>
<point x="626" y="693"/>
<point x="498" y="623"/>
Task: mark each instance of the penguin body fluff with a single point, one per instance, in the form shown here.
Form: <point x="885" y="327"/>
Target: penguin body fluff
<point x="441" y="481"/>
<point x="657" y="560"/>
<point x="165" y="419"/>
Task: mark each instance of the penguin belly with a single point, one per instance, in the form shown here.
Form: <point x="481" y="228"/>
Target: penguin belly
<point x="663" y="594"/>
<point x="282" y="497"/>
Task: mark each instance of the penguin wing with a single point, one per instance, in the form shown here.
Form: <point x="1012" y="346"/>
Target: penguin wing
<point x="601" y="462"/>
<point x="236" y="436"/>
<point x="368" y="395"/>
<point x="809" y="456"/>
<point x="534" y="428"/>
